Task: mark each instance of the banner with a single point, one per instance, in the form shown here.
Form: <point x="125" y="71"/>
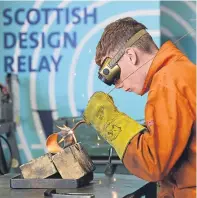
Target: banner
<point x="51" y="47"/>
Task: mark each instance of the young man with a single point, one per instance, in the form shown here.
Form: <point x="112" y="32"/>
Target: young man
<point x="164" y="151"/>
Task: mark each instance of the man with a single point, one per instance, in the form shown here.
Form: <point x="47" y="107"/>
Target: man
<point x="164" y="151"/>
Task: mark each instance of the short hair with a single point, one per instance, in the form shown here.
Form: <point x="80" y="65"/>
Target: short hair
<point x="117" y="33"/>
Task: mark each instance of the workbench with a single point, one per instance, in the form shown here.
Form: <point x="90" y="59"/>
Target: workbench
<point x="102" y="187"/>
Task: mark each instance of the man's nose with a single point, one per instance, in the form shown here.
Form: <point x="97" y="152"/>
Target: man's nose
<point x="118" y="84"/>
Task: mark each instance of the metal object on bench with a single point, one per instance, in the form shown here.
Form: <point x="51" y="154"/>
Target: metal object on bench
<point x="55" y="181"/>
<point x="39" y="168"/>
<point x="73" y="162"/>
<point x="70" y="165"/>
<point x="70" y="168"/>
<point x="51" y="193"/>
<point x="70" y="162"/>
<point x="110" y="167"/>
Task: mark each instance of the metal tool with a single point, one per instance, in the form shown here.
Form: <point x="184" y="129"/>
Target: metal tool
<point x="70" y="131"/>
<point x="51" y="193"/>
<point x="66" y="133"/>
<point x="110" y="168"/>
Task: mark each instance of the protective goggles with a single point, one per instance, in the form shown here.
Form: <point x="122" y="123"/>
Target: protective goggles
<point x="109" y="72"/>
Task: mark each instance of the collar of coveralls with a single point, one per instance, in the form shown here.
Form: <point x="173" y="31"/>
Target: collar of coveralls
<point x="167" y="53"/>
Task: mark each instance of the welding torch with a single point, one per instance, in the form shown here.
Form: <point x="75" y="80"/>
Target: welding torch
<point x="71" y="131"/>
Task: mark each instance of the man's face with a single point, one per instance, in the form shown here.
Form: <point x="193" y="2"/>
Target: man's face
<point x="131" y="76"/>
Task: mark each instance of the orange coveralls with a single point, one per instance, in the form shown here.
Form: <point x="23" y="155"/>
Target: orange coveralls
<point x="167" y="151"/>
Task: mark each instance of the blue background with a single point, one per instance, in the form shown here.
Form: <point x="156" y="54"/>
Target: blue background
<point x="52" y="91"/>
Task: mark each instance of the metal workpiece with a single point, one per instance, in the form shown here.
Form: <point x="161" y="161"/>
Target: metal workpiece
<point x="73" y="162"/>
<point x="70" y="168"/>
<point x="39" y="168"/>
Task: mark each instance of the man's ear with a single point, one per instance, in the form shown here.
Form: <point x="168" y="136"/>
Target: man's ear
<point x="130" y="52"/>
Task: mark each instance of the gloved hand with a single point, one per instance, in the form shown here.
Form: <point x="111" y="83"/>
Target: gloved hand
<point x="114" y="126"/>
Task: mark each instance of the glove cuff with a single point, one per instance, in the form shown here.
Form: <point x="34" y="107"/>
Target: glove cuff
<point x="123" y="129"/>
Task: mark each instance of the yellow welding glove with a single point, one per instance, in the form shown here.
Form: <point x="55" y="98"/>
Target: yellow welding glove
<point x="114" y="126"/>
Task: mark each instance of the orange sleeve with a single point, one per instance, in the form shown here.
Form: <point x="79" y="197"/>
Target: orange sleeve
<point x="152" y="154"/>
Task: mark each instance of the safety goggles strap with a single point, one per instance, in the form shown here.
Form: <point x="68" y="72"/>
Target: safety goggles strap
<point x="129" y="43"/>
